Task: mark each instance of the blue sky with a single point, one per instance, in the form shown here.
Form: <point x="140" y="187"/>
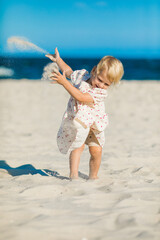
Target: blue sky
<point x="122" y="28"/>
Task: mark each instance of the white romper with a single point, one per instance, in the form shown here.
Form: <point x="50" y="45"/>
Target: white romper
<point x="80" y="118"/>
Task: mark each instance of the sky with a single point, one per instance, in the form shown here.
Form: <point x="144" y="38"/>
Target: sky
<point x="89" y="28"/>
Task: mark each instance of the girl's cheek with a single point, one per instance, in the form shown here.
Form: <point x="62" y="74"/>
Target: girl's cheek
<point x="95" y="81"/>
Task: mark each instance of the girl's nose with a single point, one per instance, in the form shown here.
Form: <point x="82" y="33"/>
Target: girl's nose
<point x="101" y="84"/>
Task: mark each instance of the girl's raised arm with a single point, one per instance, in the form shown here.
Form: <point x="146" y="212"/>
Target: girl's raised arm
<point x="61" y="64"/>
<point x="74" y="92"/>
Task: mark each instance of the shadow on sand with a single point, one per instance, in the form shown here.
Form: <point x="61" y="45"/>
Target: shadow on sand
<point x="29" y="169"/>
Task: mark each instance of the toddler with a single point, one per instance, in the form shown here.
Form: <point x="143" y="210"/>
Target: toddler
<point x="85" y="119"/>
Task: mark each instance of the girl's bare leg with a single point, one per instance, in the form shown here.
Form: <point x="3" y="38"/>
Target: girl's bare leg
<point x="95" y="161"/>
<point x="74" y="160"/>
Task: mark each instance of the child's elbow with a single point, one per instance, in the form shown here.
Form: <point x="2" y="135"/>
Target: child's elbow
<point x="86" y="98"/>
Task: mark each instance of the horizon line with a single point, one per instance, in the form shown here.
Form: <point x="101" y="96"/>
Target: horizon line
<point x="77" y="57"/>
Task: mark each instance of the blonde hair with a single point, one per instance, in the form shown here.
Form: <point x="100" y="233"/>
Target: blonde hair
<point x="112" y="66"/>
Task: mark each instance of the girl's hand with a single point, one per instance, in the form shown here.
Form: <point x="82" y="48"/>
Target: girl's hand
<point x="54" y="57"/>
<point x="58" y="78"/>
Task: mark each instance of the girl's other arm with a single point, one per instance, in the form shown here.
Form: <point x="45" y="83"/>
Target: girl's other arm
<point x="61" y="64"/>
<point x="74" y="92"/>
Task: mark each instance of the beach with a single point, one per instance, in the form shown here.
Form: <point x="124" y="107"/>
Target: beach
<point x="37" y="199"/>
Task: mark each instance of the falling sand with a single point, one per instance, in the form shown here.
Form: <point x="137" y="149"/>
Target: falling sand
<point x="23" y="44"/>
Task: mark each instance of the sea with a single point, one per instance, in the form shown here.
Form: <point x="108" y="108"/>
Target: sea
<point x="32" y="67"/>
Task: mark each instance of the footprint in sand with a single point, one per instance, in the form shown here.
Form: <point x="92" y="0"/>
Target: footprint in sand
<point x="125" y="220"/>
<point x="105" y="189"/>
<point x="145" y="235"/>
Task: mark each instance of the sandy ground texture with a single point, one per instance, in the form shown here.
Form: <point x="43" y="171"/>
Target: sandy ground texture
<point x="38" y="201"/>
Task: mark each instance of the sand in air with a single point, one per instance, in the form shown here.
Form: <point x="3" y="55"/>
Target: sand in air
<point x="23" y="44"/>
<point x="15" y="43"/>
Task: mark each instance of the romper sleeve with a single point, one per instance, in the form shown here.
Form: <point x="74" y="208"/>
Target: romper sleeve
<point x="78" y="76"/>
<point x="98" y="95"/>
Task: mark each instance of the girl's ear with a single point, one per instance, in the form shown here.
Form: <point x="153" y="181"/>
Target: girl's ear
<point x="93" y="71"/>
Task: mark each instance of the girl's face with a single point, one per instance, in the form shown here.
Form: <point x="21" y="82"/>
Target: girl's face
<point x="100" y="81"/>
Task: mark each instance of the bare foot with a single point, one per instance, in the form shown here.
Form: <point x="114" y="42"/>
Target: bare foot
<point x="73" y="177"/>
<point x="93" y="177"/>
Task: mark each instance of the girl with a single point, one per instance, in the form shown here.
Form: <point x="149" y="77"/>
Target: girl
<point x="85" y="119"/>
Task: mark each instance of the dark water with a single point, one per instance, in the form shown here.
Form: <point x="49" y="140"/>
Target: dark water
<point x="32" y="68"/>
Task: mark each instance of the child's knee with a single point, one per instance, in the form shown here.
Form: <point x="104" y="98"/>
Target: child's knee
<point x="95" y="151"/>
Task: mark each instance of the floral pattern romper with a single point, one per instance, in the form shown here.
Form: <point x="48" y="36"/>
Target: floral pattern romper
<point x="80" y="119"/>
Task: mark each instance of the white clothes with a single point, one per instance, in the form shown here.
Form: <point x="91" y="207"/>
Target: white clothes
<point x="80" y="118"/>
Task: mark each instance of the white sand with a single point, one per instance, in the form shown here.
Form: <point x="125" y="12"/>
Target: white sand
<point x="124" y="204"/>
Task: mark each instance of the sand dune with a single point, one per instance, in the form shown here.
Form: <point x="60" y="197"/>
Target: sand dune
<point x="37" y="199"/>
